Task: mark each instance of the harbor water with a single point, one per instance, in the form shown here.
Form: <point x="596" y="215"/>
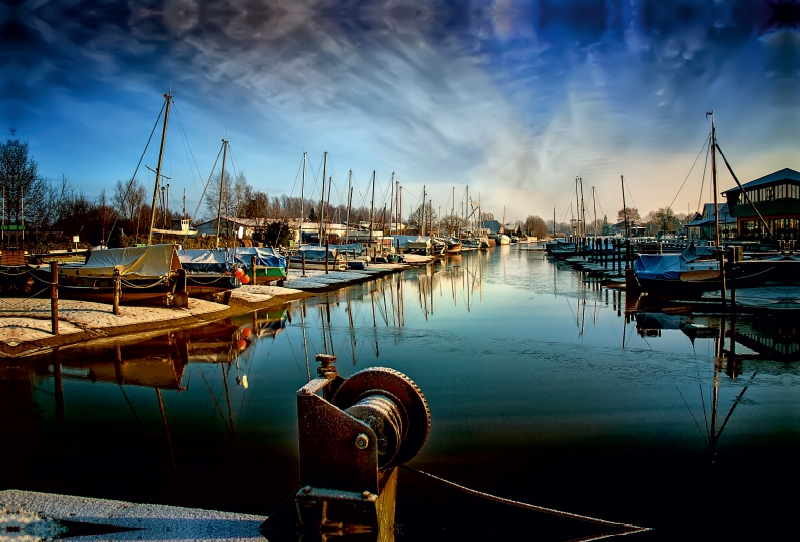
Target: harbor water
<point x="542" y="389"/>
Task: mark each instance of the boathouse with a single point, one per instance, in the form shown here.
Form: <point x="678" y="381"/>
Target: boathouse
<point x="701" y="227"/>
<point x="777" y="198"/>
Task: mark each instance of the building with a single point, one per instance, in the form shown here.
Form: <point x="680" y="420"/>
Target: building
<point x="777" y="197"/>
<point x="701" y="227"/>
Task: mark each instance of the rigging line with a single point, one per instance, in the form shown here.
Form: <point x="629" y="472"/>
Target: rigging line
<point x="703" y="402"/>
<point x="702" y="184"/>
<point x="186" y="144"/>
<point x="233" y="161"/>
<point x="213" y="168"/>
<point x="735" y="403"/>
<point x="219" y="409"/>
<point x="690" y="172"/>
<point x="611" y="201"/>
<point x="627" y="527"/>
<point x="296" y="176"/>
<point x="744" y="192"/>
<point x="631" y="195"/>
<point x="133" y="178"/>
<point x="692" y="415"/>
<point x="127" y="400"/>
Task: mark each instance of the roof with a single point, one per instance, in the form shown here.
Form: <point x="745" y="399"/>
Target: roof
<point x="781" y="175"/>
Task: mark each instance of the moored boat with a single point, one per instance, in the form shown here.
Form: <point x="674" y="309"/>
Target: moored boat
<point x="685" y="275"/>
<point x="150" y="275"/>
<point x="209" y="273"/>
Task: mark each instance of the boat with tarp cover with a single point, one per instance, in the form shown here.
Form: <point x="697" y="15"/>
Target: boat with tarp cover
<point x="691" y="273"/>
<point x="150" y="275"/>
<point x="270" y="266"/>
<point x="210" y="273"/>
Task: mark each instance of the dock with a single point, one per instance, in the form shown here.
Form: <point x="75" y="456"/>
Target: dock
<point x="25" y="326"/>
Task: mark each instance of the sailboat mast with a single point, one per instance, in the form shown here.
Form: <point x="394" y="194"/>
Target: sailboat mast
<point x="328" y="205"/>
<point x="167" y="97"/>
<point x="322" y="198"/>
<point x="391" y="203"/>
<point x="221" y="186"/>
<point x="349" y="201"/>
<point x="302" y="197"/>
<point x="422" y="218"/>
<point x="372" y="206"/>
<point x="583" y="211"/>
<point x="714" y="178"/>
<point x="624" y="207"/>
<point x="594" y="204"/>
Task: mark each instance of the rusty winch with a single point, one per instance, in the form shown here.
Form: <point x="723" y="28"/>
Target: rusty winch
<point x="352" y="437"/>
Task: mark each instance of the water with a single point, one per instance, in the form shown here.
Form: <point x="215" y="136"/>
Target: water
<point x="541" y="389"/>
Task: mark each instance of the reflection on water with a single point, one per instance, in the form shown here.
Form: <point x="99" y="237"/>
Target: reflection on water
<point x="542" y="389"/>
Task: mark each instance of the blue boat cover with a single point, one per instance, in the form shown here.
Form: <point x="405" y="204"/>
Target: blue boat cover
<point x="265" y="257"/>
<point x="668" y="266"/>
<point x="206" y="261"/>
<point x="225" y="260"/>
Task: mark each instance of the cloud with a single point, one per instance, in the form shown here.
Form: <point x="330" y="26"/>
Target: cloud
<point x="524" y="93"/>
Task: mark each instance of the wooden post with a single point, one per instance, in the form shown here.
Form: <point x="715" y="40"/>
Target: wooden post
<point x="733" y="258"/>
<point x="327" y="244"/>
<point x="54" y="296"/>
<point x="117" y="284"/>
<point x="722" y="286"/>
<point x="253" y="271"/>
<point x="303" y="254"/>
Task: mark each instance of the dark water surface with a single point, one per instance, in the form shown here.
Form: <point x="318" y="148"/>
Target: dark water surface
<point x="540" y="389"/>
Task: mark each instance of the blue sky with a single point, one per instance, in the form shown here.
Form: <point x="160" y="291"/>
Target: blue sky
<point x="513" y="98"/>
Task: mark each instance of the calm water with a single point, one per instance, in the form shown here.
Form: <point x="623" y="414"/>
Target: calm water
<point x="540" y="388"/>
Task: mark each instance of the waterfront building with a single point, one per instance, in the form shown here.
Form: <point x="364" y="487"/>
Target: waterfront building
<point x="702" y="226"/>
<point x="777" y="198"/>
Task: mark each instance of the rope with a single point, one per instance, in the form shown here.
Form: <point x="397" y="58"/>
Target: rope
<point x="705" y="142"/>
<point x="134" y="286"/>
<point x="133" y="179"/>
<point x="627" y="528"/>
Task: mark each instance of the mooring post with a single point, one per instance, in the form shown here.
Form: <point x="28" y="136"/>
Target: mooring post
<point x="628" y="253"/>
<point x="303" y="254"/>
<point x="327" y="245"/>
<point x="54" y="295"/>
<point x="733" y="258"/>
<point x="253" y="271"/>
<point x="117" y="284"/>
<point x="722" y="287"/>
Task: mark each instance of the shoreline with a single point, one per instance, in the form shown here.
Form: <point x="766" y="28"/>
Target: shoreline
<point x="26" y="330"/>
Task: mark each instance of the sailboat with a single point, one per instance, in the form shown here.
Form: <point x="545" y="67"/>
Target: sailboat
<point x="697" y="269"/>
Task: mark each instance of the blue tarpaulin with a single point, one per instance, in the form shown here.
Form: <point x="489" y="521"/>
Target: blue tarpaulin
<point x="224" y="260"/>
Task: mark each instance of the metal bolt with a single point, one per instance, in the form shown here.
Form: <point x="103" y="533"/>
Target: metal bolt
<point x="307" y="490"/>
<point x="362" y="441"/>
<point x="366" y="495"/>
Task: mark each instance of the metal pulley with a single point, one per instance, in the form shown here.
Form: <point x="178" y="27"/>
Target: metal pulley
<point x="350" y="439"/>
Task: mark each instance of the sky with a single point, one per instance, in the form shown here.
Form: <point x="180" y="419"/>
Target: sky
<point x="510" y="99"/>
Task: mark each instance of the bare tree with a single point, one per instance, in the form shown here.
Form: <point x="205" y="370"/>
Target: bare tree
<point x="23" y="189"/>
<point x="451" y="224"/>
<point x="128" y="198"/>
<point x="633" y="215"/>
